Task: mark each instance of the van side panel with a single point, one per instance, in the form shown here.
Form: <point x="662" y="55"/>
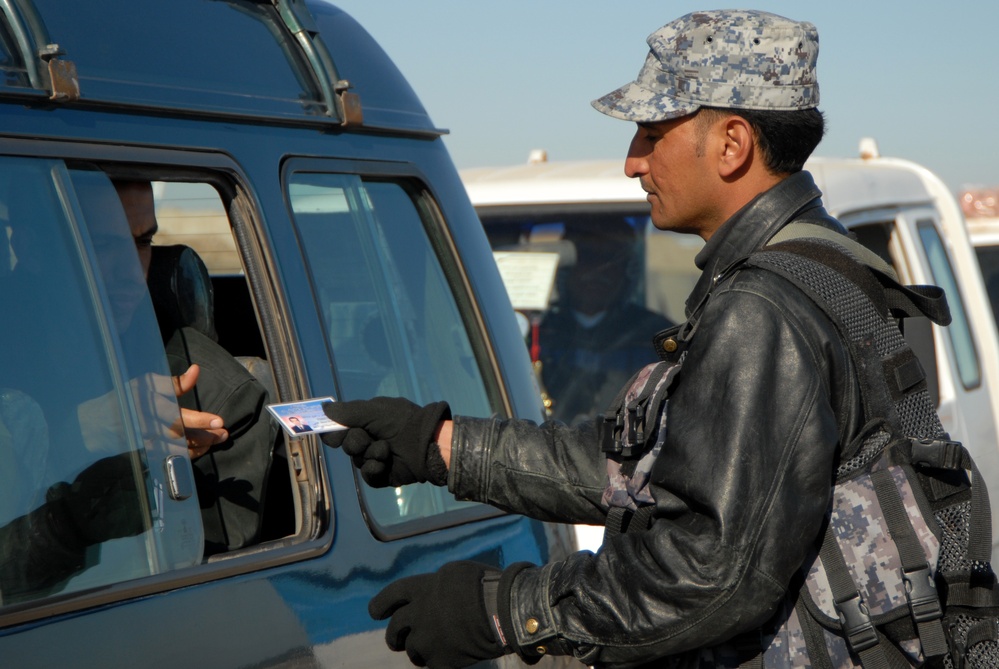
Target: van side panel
<point x="300" y="603"/>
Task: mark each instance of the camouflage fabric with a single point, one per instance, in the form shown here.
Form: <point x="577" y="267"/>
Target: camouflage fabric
<point x="839" y="653"/>
<point x="726" y="58"/>
<point x="786" y="649"/>
<point x="862" y="534"/>
<point x="626" y="491"/>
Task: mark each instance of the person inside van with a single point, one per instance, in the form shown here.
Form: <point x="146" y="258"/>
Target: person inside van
<point x="596" y="336"/>
<point x="231" y="446"/>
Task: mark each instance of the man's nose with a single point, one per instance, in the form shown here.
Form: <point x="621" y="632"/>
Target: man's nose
<point x="636" y="164"/>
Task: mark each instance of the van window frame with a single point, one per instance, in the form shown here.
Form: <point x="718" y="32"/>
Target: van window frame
<point x="279" y="337"/>
<point x="969" y="370"/>
<point x="426" y="201"/>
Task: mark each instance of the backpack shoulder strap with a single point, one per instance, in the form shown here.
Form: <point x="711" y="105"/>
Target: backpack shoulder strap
<point x="903" y="301"/>
<point x="859" y="252"/>
<point x="857" y="301"/>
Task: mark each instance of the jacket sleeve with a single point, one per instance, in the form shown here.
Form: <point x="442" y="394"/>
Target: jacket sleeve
<point x="550" y="472"/>
<point x="741" y="488"/>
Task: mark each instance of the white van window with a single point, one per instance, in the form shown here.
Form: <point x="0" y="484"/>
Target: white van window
<point x="968" y="366"/>
<point x="89" y="423"/>
<point x="393" y="326"/>
<point x="988" y="259"/>
<point x="614" y="268"/>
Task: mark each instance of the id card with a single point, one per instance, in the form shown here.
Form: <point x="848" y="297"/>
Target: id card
<point x="305" y="417"/>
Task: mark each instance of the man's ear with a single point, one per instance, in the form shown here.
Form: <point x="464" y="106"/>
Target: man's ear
<point x="739" y="143"/>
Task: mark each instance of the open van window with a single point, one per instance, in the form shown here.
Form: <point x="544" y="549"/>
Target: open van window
<point x="199" y="283"/>
<point x="92" y="361"/>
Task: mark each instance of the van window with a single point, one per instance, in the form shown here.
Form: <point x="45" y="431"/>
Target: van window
<point x="12" y="67"/>
<point x="618" y="282"/>
<point x="89" y="423"/>
<point x="216" y="76"/>
<point x="968" y="366"/>
<point x="392" y="324"/>
<point x="988" y="259"/>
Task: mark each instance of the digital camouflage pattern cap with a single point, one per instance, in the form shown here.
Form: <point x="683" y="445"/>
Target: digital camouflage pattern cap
<point x="740" y="59"/>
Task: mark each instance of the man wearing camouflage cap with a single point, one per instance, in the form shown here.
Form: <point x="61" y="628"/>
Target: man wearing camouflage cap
<point x="729" y="506"/>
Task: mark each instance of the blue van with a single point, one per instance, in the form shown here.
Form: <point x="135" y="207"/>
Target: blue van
<point x="310" y="230"/>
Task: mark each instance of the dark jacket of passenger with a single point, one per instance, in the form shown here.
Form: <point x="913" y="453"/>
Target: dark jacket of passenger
<point x="231" y="479"/>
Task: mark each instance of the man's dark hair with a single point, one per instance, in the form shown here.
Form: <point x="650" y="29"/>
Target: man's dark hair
<point x="785" y="138"/>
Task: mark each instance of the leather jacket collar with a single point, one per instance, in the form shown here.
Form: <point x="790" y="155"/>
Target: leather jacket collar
<point x="751" y="227"/>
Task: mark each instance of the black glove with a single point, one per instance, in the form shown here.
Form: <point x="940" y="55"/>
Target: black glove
<point x="390" y="439"/>
<point x="441" y="619"/>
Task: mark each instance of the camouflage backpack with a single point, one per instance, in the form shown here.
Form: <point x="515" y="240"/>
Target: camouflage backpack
<point x="901" y="576"/>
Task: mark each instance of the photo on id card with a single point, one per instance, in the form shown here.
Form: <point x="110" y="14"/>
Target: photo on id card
<point x="304" y="417"/>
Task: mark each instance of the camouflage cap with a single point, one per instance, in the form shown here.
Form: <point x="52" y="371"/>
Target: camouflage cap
<point x="739" y="59"/>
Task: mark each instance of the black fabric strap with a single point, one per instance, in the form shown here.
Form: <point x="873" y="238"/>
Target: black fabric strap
<point x="980" y="539"/>
<point x="902" y="301"/>
<point x="855" y="619"/>
<point x="815" y="640"/>
<point x="920" y="589"/>
<point x="749" y="649"/>
<point x="866" y="359"/>
<point x="964" y="594"/>
<point x="908" y="301"/>
<point x="904" y="373"/>
<point x="615" y="522"/>
<point x="983" y="630"/>
<point x="859" y="252"/>
<point x="621" y="520"/>
<point x="945" y="454"/>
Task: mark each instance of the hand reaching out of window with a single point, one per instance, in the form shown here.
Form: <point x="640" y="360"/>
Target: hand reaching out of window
<point x="201" y="429"/>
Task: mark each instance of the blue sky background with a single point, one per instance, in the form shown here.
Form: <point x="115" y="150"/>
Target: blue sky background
<point x="505" y="77"/>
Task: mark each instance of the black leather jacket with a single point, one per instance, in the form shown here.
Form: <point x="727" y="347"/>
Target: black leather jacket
<point x="765" y="397"/>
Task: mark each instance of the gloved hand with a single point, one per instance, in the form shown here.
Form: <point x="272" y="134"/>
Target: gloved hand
<point x="390" y="439"/>
<point x="441" y="619"/>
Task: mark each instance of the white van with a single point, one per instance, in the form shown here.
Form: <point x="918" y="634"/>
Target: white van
<point x="981" y="209"/>
<point x="899" y="209"/>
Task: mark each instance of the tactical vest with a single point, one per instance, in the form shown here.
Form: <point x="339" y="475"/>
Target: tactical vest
<point x="901" y="576"/>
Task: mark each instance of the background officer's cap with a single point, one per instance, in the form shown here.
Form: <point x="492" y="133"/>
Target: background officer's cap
<point x="729" y="58"/>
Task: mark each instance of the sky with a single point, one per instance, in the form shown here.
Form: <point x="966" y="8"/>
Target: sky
<point x="508" y="76"/>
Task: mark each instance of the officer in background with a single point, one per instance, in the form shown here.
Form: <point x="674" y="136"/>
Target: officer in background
<point x="597" y="336"/>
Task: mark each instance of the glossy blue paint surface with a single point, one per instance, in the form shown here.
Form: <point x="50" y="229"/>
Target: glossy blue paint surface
<point x="311" y="611"/>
